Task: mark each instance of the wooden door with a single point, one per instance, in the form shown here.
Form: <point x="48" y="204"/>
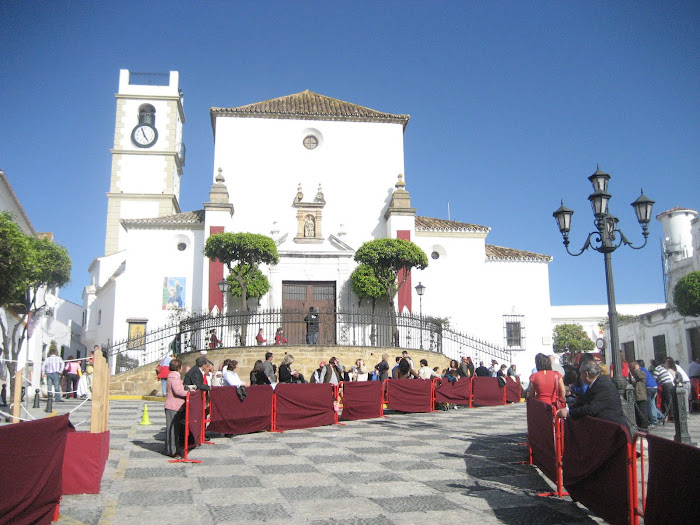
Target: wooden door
<point x="297" y="298"/>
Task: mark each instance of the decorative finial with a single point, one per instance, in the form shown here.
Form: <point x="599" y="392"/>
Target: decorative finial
<point x="400" y="184"/>
<point x="220" y="176"/>
<point x="319" y="194"/>
<point x="300" y="194"/>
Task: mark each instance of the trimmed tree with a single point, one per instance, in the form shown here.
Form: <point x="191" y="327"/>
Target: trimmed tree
<point x="391" y="260"/>
<point x="366" y="286"/>
<point x="243" y="253"/>
<point x="571" y="338"/>
<point x="29" y="267"/>
<point x="686" y="295"/>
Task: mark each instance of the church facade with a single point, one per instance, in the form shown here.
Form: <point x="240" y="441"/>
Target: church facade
<point x="318" y="175"/>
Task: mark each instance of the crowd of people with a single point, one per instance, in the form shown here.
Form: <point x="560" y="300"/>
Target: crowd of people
<point x="586" y="389"/>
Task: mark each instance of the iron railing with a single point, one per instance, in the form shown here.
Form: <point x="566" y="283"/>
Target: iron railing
<point x="357" y="327"/>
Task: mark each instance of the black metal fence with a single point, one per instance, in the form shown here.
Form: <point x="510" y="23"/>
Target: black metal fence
<point x="357" y="327"/>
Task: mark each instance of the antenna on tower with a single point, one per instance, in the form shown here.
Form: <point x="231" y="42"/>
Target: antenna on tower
<point x="448" y="211"/>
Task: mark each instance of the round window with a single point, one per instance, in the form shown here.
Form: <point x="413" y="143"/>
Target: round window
<point x="435" y="255"/>
<point x="310" y="142"/>
<point x="181" y="246"/>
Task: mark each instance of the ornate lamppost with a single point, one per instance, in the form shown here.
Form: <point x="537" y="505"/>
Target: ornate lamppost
<point x="223" y="288"/>
<point x="606" y="239"/>
<point x="420" y="290"/>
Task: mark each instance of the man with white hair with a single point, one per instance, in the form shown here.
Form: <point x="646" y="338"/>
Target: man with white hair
<point x="556" y="366"/>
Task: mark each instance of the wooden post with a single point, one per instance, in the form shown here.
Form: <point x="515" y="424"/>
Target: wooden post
<point x="17" y="396"/>
<point x="99" y="421"/>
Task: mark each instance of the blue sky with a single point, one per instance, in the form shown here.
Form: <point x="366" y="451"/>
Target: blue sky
<point x="512" y="105"/>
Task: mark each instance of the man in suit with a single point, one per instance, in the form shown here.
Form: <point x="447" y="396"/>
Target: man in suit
<point x="601" y="399"/>
<point x="196" y="374"/>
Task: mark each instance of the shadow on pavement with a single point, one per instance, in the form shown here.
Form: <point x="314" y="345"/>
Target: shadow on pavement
<point x="509" y="488"/>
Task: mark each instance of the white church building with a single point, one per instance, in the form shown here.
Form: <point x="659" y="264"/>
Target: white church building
<point x="318" y="175"/>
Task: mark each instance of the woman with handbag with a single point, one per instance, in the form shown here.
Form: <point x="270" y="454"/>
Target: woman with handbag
<point x="547" y="385"/>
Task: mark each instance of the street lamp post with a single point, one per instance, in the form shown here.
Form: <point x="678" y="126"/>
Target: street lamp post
<point x="606" y="239"/>
<point x="420" y="290"/>
<point x="223" y="288"/>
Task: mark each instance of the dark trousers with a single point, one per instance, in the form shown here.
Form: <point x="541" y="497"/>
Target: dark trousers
<point x="72" y="384"/>
<point x="667" y="391"/>
<point x="174" y="431"/>
<point x="641" y="413"/>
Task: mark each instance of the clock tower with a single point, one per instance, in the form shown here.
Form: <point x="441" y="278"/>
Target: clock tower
<point x="148" y="154"/>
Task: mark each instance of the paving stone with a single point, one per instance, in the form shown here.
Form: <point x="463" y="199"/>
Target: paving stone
<point x="324" y="493"/>
<point x="375" y="476"/>
<point x="220" y="482"/>
<point x="374" y="520"/>
<point x="421" y="503"/>
<point x="249" y="512"/>
<point x="163" y="472"/>
<point x="160" y="497"/>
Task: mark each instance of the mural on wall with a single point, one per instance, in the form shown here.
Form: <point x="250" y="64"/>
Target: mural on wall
<point x="173" y="292"/>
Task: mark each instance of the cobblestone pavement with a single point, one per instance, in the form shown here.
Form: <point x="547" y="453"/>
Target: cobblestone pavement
<point x="406" y="468"/>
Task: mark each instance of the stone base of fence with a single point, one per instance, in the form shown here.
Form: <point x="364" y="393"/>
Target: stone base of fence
<point x="143" y="380"/>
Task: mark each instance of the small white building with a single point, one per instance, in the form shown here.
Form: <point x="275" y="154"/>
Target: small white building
<point x="320" y="176"/>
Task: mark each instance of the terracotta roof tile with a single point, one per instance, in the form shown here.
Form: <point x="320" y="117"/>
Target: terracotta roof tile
<point x="510" y="254"/>
<point x="178" y="219"/>
<point x="309" y="106"/>
<point x="431" y="224"/>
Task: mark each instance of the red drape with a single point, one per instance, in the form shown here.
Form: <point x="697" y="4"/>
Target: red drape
<point x="230" y="415"/>
<point x="84" y="462"/>
<point x="540" y="437"/>
<point x="672" y="490"/>
<point x="454" y="392"/>
<point x="487" y="392"/>
<point x="595" y="466"/>
<point x="31" y="457"/>
<point x="409" y="395"/>
<point x="195" y="418"/>
<point x="304" y="405"/>
<point x="362" y="400"/>
<point x="513" y="390"/>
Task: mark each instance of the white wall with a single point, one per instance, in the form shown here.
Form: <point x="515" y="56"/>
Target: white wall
<point x="263" y="161"/>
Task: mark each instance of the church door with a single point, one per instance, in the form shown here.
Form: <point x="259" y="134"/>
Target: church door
<point x="297" y="298"/>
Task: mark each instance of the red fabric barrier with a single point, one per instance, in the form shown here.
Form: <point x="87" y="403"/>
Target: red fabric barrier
<point x="540" y="437"/>
<point x="362" y="400"/>
<point x="230" y="415"/>
<point x="304" y="405"/>
<point x="409" y="395"/>
<point x="514" y="392"/>
<point x="454" y="392"/>
<point x="595" y="467"/>
<point x="486" y="392"/>
<point x="695" y="390"/>
<point x="195" y="422"/>
<point x="84" y="462"/>
<point x="31" y="456"/>
<point x="672" y="493"/>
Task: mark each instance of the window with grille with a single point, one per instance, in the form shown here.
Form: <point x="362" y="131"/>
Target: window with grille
<point x="659" y="343"/>
<point x="514" y="331"/>
<point x="293" y="292"/>
<point x="324" y="292"/>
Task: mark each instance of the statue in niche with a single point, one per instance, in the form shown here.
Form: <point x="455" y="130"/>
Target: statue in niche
<point x="309" y="227"/>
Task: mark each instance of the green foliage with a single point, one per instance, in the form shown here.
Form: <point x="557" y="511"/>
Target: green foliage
<point x="625" y="317"/>
<point x="241" y="248"/>
<point x="365" y="284"/>
<point x="386" y="257"/>
<point x="258" y="285"/>
<point x="53" y="346"/>
<point x="686" y="295"/>
<point x="15" y="263"/>
<point x="28" y="263"/>
<point x="242" y="253"/>
<point x="571" y="338"/>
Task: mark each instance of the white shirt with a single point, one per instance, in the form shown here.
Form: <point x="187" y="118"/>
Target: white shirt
<point x="232" y="379"/>
<point x="425" y="372"/>
<point x="682" y="373"/>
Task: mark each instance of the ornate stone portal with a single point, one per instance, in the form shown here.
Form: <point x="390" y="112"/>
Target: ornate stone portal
<point x="309" y="216"/>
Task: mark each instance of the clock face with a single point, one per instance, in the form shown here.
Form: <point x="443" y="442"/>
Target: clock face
<point x="144" y="136"/>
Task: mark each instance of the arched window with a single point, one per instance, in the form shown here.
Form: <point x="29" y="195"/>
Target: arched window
<point x="147" y="114"/>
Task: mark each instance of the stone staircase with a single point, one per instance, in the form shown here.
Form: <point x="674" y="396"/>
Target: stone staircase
<point x="142" y="381"/>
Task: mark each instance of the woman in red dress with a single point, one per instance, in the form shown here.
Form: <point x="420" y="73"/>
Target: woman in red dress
<point x="546" y="385"/>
